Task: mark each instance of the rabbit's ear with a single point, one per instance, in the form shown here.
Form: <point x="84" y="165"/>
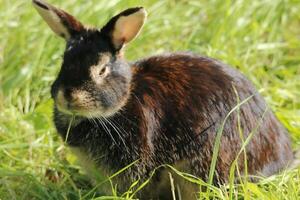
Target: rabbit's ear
<point x="125" y="26"/>
<point x="62" y="23"/>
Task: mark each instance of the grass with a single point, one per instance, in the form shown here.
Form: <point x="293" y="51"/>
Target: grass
<point x="259" y="37"/>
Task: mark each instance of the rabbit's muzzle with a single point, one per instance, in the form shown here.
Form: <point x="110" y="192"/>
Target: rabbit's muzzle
<point x="73" y="101"/>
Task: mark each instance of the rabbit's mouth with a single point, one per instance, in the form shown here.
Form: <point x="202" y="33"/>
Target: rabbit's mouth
<point x="82" y="105"/>
<point x="70" y="109"/>
<point x="77" y="110"/>
<point x="85" y="112"/>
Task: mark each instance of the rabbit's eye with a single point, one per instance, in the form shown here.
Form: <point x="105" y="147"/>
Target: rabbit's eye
<point x="103" y="70"/>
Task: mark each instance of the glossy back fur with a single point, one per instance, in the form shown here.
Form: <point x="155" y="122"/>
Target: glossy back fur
<point x="164" y="109"/>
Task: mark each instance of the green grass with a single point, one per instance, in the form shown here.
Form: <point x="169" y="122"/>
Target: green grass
<point x="260" y="37"/>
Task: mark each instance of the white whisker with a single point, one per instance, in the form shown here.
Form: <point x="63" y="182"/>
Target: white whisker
<point x="107" y="130"/>
<point x="117" y="130"/>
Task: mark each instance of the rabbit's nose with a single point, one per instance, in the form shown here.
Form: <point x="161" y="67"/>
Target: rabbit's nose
<point x="79" y="97"/>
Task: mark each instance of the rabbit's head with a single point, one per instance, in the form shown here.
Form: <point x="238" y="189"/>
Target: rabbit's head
<point x="94" y="80"/>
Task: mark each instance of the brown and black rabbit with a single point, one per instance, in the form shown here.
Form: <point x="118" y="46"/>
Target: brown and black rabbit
<point x="164" y="109"/>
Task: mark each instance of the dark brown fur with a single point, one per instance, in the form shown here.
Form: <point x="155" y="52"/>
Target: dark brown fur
<point x="177" y="104"/>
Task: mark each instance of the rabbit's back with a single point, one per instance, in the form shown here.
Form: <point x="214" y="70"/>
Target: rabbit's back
<point x="184" y="100"/>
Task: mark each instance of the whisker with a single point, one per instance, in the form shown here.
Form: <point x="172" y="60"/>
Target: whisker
<point x="92" y="120"/>
<point x="118" y="126"/>
<point x="132" y="122"/>
<point x="107" y="130"/>
<point x="117" y="130"/>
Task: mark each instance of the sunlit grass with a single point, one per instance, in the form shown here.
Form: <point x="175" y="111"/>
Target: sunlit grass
<point x="261" y="38"/>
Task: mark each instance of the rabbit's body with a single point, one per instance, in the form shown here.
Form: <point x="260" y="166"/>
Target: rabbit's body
<point x="177" y="104"/>
<point x="165" y="109"/>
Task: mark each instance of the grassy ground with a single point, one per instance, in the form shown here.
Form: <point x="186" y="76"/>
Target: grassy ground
<point x="260" y="37"/>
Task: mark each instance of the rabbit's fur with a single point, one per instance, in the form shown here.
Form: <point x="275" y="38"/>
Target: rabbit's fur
<point x="165" y="109"/>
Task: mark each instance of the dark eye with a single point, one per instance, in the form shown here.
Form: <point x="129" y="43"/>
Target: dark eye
<point x="103" y="70"/>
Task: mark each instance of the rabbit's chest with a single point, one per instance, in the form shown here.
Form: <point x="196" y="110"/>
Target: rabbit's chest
<point x="88" y="163"/>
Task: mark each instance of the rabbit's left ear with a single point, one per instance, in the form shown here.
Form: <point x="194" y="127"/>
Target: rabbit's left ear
<point x="62" y="23"/>
<point x="125" y="26"/>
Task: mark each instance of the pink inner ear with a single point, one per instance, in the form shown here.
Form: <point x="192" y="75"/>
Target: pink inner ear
<point x="127" y="27"/>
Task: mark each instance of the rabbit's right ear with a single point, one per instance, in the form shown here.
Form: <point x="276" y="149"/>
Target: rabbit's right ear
<point x="62" y="23"/>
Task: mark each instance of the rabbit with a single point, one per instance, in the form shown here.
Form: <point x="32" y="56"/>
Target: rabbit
<point x="161" y="110"/>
